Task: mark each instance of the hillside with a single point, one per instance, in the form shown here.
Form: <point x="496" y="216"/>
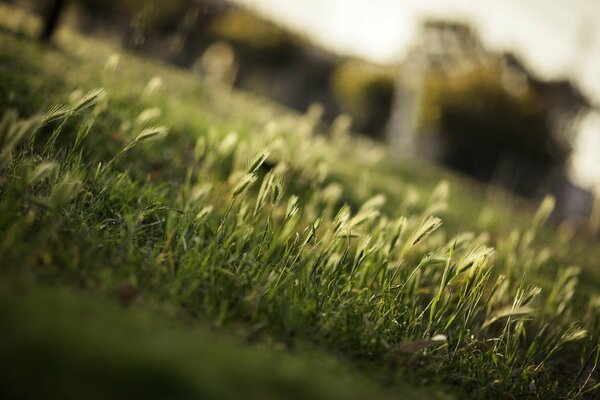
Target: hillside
<point x="161" y="237"/>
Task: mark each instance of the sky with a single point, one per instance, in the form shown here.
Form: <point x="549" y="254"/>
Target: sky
<point x="554" y="38"/>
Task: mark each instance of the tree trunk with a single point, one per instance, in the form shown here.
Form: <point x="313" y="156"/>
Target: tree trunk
<point x="51" y="15"/>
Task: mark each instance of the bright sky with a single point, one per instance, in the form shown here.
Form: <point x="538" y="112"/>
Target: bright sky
<point x="555" y="38"/>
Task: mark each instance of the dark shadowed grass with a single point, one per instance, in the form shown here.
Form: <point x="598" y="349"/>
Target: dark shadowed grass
<point x="71" y="346"/>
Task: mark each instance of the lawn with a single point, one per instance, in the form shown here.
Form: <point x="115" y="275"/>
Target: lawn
<point x="165" y="238"/>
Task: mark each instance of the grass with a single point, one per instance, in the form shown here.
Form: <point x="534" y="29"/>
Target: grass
<point x="216" y="218"/>
<point x="83" y="346"/>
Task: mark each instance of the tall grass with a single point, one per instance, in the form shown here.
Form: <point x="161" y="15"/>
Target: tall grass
<point x="257" y="234"/>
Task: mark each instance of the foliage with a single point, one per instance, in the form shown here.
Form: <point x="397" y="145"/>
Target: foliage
<point x="481" y="117"/>
<point x="159" y="15"/>
<point x="365" y="92"/>
<point x="256" y="38"/>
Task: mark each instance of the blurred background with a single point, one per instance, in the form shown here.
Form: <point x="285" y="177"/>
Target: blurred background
<point x="504" y="91"/>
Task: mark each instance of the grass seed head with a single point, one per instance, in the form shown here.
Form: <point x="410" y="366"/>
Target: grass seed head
<point x="200" y="148"/>
<point x="425" y="229"/>
<point x="244" y="184"/>
<point x="228" y="144"/>
<point x="151" y="133"/>
<point x="112" y="63"/>
<point x="16" y="133"/>
<point x="42" y="171"/>
<point x="148" y="115"/>
<point x="153" y="86"/>
<point x="544" y="211"/>
<point x="89" y="99"/>
<point x="509" y="312"/>
<point x="374" y="203"/>
<point x="292" y="207"/>
<point x="202" y="214"/>
<point x="63" y="192"/>
<point x="257" y="161"/>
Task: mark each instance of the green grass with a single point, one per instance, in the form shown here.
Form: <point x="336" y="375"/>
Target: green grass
<point x="352" y="275"/>
<point x="71" y="346"/>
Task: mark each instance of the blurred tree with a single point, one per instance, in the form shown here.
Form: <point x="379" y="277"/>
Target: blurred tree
<point x="259" y="39"/>
<point x="365" y="92"/>
<point x="479" y="120"/>
<point x="51" y="14"/>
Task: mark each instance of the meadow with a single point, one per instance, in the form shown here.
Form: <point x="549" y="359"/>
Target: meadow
<point x="161" y="237"/>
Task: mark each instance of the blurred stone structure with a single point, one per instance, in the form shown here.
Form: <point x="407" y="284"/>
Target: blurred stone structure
<point x="444" y="46"/>
<point x="511" y="154"/>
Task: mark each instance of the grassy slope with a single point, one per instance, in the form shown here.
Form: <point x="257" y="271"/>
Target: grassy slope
<point x="82" y="252"/>
<point x="58" y="338"/>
